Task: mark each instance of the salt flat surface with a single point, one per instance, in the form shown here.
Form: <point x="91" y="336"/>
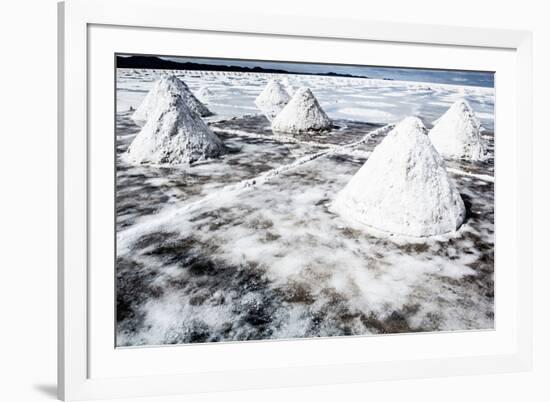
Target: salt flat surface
<point x="372" y="100"/>
<point x="246" y="247"/>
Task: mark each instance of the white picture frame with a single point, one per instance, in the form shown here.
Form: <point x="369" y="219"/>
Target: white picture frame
<point x="79" y="377"/>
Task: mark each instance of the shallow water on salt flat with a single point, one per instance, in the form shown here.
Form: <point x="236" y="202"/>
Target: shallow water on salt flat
<point x="272" y="261"/>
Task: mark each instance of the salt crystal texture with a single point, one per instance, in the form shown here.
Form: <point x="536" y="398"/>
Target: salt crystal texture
<point x="403" y="187"/>
<point x="174" y="134"/>
<point x="164" y="88"/>
<point x="302" y="114"/>
<point x="272" y="99"/>
<point x="456" y="134"/>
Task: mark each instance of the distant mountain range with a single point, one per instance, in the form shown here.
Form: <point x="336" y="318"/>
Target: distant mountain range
<point x="153" y="62"/>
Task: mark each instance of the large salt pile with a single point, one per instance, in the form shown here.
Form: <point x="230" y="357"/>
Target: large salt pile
<point x="272" y="99"/>
<point x="302" y="114"/>
<point x="456" y="134"/>
<point x="164" y="88"/>
<point x="403" y="187"/>
<point x="174" y="134"/>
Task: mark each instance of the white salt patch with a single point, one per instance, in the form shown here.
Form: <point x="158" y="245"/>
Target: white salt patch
<point x="439" y="103"/>
<point x="403" y="188"/>
<point x="376" y="104"/>
<point x="485" y="177"/>
<point x="485" y="115"/>
<point x="369" y="114"/>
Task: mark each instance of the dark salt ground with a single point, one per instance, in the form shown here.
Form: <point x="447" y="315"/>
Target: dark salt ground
<point x="198" y="261"/>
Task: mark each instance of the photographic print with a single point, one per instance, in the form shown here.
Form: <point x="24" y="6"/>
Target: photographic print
<point x="265" y="200"/>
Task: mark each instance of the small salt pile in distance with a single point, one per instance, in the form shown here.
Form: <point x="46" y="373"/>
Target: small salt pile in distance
<point x="403" y="188"/>
<point x="288" y="86"/>
<point x="174" y="134"/>
<point x="204" y="94"/>
<point x="165" y="87"/>
<point x="272" y="99"/>
<point x="456" y="134"/>
<point x="302" y="114"/>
